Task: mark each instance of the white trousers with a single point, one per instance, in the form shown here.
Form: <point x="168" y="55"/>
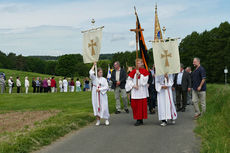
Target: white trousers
<point x="10" y="90"/>
<point x="27" y="88"/>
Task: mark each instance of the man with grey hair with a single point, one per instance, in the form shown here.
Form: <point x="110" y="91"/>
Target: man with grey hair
<point x="199" y="87"/>
<point x="2" y="83"/>
<point x="118" y="78"/>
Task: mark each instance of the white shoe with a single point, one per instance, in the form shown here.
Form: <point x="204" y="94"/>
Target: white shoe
<point x="163" y="124"/>
<point x="106" y="122"/>
<point x="173" y="122"/>
<point x="98" y="123"/>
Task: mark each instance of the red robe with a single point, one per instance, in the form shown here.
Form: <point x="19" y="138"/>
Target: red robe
<point x="139" y="105"/>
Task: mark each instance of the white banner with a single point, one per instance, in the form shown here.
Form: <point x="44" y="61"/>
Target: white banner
<point x="166" y="57"/>
<point x="92" y="46"/>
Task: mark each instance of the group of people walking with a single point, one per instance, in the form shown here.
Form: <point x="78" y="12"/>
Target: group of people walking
<point x="144" y="88"/>
<point x="40" y="85"/>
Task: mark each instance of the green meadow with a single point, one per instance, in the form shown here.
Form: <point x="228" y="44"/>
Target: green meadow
<point x="74" y="110"/>
<point x="69" y="112"/>
<point x="214" y="126"/>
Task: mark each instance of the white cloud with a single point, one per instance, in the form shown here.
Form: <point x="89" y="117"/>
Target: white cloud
<point x="54" y="28"/>
<point x="132" y="43"/>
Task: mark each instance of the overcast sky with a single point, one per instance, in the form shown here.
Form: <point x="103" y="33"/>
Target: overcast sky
<point x="53" y="27"/>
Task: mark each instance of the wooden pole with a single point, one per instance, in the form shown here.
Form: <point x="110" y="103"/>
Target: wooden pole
<point x="137" y="30"/>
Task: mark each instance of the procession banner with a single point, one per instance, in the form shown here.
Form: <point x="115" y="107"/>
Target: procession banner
<point x="92" y="45"/>
<point x="166" y="57"/>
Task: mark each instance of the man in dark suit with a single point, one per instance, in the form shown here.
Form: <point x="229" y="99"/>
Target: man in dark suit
<point x="118" y="78"/>
<point x="182" y="84"/>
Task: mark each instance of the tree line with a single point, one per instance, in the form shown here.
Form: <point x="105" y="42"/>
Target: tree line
<point x="212" y="47"/>
<point x="70" y="65"/>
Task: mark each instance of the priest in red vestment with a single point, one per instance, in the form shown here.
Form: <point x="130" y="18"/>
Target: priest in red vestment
<point x="137" y="83"/>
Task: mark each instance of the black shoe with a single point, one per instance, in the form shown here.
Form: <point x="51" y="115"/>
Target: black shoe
<point x="117" y="112"/>
<point x="127" y="110"/>
<point x="178" y="109"/>
<point x="153" y="111"/>
<point x="141" y="121"/>
<point x="138" y="123"/>
<point x="183" y="110"/>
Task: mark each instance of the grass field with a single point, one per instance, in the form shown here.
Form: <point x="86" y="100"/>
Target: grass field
<point x="29" y="121"/>
<point x="214" y="126"/>
<point x="70" y="112"/>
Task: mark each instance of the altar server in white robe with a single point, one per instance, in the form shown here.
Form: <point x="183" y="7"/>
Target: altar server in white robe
<point x="60" y="85"/>
<point x="27" y="84"/>
<point x="65" y="84"/>
<point x="166" y="107"/>
<point x="137" y="83"/>
<point x="99" y="95"/>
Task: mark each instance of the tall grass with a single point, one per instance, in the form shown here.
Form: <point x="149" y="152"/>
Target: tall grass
<point x="214" y="126"/>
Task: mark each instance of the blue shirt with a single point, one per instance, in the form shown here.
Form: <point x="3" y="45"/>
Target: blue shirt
<point x="37" y="83"/>
<point x="197" y="76"/>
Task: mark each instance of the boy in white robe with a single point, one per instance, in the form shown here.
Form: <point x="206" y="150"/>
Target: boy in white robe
<point x="60" y="85"/>
<point x="99" y="95"/>
<point x="137" y="83"/>
<point x="27" y="84"/>
<point x="65" y="84"/>
<point x="166" y="107"/>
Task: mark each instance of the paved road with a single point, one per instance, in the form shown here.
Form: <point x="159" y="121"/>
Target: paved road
<point x="123" y="137"/>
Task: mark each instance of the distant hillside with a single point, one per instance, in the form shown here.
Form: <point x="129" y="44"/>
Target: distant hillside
<point x="55" y="58"/>
<point x="46" y="58"/>
<point x="106" y="56"/>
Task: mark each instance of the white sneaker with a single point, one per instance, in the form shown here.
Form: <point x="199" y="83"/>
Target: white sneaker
<point x="106" y="122"/>
<point x="163" y="124"/>
<point x="98" y="123"/>
<point x="173" y="122"/>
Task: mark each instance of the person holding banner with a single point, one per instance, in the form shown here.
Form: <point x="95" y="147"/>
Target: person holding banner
<point x="166" y="107"/>
<point x="137" y="83"/>
<point x="99" y="95"/>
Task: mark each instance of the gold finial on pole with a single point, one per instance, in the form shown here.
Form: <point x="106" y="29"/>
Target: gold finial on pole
<point x="156" y="7"/>
<point x="164" y="29"/>
<point x="93" y="21"/>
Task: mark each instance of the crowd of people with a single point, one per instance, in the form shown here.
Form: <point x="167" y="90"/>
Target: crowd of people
<point x="45" y="85"/>
<point x="171" y="93"/>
